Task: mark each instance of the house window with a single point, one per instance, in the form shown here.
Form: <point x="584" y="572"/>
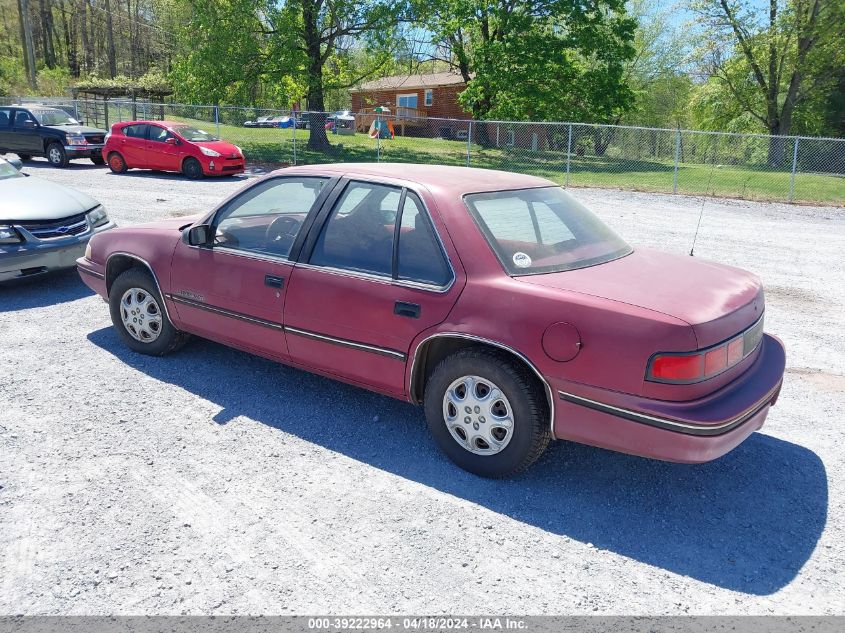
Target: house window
<point x="511" y="138"/>
<point x="406" y="104"/>
<point x="429" y="97"/>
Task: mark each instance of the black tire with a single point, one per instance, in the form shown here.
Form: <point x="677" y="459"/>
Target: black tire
<point x="192" y="168"/>
<point x="117" y="163"/>
<point x="25" y="158"/>
<point x="168" y="337"/>
<point x="56" y="155"/>
<point x="530" y="433"/>
<point x="98" y="160"/>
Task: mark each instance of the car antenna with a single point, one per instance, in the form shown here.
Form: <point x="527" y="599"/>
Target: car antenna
<point x="701" y="212"/>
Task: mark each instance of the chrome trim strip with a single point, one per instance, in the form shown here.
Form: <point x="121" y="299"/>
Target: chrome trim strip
<point x="88" y="271"/>
<point x="224" y="312"/>
<point x="471" y="337"/>
<point x="253" y="255"/>
<point x="687" y="428"/>
<point x="385" y="279"/>
<point x="347" y="343"/>
<point x="150" y="268"/>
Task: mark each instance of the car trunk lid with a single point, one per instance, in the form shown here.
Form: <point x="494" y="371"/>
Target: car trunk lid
<point x="718" y="301"/>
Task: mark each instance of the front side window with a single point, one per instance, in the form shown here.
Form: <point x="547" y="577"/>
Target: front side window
<point x="159" y="134"/>
<point x="54" y="117"/>
<point x="268" y="217"/>
<point x="543" y="230"/>
<point x="22" y="118"/>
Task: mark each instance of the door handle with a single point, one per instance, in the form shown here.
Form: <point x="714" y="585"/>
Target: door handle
<point x="405" y="309"/>
<point x="274" y="282"/>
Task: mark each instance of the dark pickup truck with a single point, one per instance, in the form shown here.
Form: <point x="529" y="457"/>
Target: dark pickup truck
<point x="37" y="130"/>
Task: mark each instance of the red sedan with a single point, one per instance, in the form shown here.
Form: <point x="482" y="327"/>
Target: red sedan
<point x="170" y="146"/>
<point x="494" y="299"/>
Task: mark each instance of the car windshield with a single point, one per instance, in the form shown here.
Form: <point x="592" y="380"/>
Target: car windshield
<point x="543" y="230"/>
<point x="8" y="170"/>
<point x="54" y="117"/>
<point x="193" y="134"/>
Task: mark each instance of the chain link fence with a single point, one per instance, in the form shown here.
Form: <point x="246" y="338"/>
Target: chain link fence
<point x="746" y="166"/>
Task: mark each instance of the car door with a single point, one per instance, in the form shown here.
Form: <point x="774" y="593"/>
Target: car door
<point x="25" y="137"/>
<point x="233" y="289"/>
<point x="369" y="281"/>
<point x="163" y="149"/>
<point x="132" y="144"/>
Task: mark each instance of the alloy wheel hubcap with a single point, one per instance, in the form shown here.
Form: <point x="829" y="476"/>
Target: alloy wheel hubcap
<point x="55" y="155"/>
<point x="141" y="315"/>
<point x="478" y="415"/>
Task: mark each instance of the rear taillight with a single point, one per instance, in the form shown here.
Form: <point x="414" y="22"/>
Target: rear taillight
<point x="690" y="367"/>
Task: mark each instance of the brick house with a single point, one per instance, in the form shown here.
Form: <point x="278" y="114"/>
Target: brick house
<point x="432" y="95"/>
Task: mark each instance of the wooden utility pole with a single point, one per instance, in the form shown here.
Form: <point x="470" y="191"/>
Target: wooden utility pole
<point x="26" y="42"/>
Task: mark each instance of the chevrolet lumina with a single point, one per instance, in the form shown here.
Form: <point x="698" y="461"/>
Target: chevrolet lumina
<point x="495" y="300"/>
<point x="44" y="226"/>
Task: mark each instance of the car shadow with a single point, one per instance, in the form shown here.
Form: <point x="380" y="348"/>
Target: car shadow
<point x="746" y="522"/>
<point x="76" y="164"/>
<point x="42" y="290"/>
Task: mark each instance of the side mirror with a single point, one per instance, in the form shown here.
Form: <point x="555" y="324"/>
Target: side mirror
<point x="172" y="140"/>
<point x="197" y="235"/>
<point x="15" y="162"/>
<point x="29" y="124"/>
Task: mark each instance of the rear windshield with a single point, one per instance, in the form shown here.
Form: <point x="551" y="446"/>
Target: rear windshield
<point x="193" y="134"/>
<point x="543" y="230"/>
<point x="7" y="170"/>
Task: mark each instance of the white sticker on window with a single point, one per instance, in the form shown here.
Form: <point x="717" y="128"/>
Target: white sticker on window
<point x="521" y="260"/>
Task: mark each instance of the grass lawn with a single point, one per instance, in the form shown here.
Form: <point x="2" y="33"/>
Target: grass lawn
<point x="761" y="183"/>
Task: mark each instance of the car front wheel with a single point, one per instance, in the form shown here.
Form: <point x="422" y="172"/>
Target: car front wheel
<point x="192" y="168"/>
<point x="56" y="155"/>
<point x="139" y="316"/>
<point x="488" y="413"/>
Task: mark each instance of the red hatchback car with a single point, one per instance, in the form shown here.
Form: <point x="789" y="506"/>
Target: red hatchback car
<point x="495" y="299"/>
<point x="170" y="146"/>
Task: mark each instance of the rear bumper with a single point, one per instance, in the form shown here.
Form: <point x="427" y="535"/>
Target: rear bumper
<point x="31" y="259"/>
<point x="692" y="432"/>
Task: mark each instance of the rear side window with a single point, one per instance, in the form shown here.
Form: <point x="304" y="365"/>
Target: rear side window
<point x="420" y="257"/>
<point x="5" y="117"/>
<point x="135" y="131"/>
<point x="372" y="230"/>
<point x="359" y="232"/>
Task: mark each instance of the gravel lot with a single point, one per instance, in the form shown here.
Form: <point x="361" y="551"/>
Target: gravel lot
<point x="211" y="481"/>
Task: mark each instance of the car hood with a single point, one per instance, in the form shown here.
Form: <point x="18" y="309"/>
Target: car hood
<point x="716" y="300"/>
<point x="25" y="199"/>
<point x="76" y="129"/>
<point x="222" y="147"/>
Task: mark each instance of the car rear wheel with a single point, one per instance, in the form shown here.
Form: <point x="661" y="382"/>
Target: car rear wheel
<point x="56" y="155"/>
<point x="487" y="413"/>
<point x="98" y="160"/>
<point x="138" y="315"/>
<point x="117" y="163"/>
<point x="192" y="168"/>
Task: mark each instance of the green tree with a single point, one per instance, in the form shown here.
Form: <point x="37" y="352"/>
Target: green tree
<point x="536" y="59"/>
<point x="769" y="56"/>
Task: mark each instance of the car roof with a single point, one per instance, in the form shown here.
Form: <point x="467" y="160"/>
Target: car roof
<point x="447" y="178"/>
